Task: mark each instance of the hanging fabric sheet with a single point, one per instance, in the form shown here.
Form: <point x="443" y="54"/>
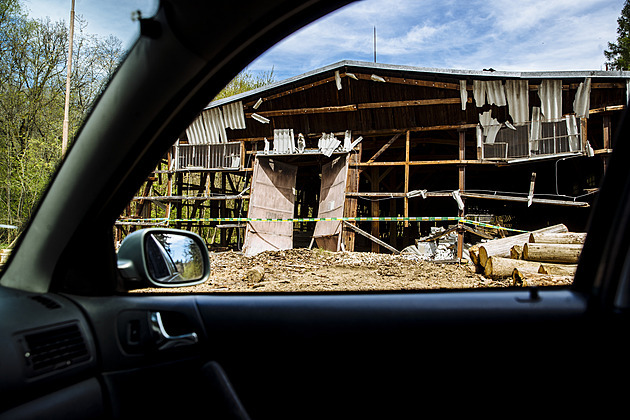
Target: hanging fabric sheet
<point x="582" y="101"/>
<point x="550" y="93"/>
<point x="517" y="92"/>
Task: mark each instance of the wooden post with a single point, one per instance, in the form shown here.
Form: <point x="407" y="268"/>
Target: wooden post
<point x="607" y="135"/>
<point x="374" y="211"/>
<point x="406" y="188"/>
<point x="462" y="187"/>
<point x="351" y="204"/>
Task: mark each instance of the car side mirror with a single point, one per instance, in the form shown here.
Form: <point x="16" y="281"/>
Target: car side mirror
<point x="163" y="258"/>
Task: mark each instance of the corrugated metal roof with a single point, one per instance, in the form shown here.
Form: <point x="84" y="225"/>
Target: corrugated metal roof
<point x="457" y="73"/>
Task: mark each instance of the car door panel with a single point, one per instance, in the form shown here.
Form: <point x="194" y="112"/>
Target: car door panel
<point x="290" y="356"/>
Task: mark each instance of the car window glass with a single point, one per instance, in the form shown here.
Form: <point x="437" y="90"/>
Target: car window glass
<point x="411" y="146"/>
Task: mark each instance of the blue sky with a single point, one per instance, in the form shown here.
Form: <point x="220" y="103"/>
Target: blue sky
<point x="475" y="34"/>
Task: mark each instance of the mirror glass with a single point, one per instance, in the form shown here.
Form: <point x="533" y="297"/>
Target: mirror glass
<point x="173" y="258"/>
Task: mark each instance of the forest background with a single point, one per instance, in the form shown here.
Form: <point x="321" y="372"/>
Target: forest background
<point x="33" y="71"/>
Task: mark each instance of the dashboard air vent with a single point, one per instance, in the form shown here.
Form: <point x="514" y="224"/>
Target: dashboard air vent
<point x="54" y="349"/>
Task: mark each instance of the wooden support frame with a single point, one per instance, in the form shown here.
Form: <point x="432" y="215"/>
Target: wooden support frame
<point x="357" y="107"/>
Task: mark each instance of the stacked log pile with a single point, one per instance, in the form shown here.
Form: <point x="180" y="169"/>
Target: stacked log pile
<point x="547" y="256"/>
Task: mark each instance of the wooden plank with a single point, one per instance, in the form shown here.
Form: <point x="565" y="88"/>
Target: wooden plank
<point x="609" y="108"/>
<point x="380" y="132"/>
<point x="406" y="186"/>
<point x="351" y="205"/>
<point x="356" y="107"/>
<point x="413" y="82"/>
<point x="291" y="91"/>
<point x="462" y="186"/>
<point x="524" y="199"/>
<point x="372" y="238"/>
<point x="374" y="211"/>
<point x="382" y="149"/>
<point x="415" y="102"/>
<point x="425" y="162"/>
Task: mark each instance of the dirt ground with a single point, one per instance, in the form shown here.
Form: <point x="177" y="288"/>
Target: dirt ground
<point x="304" y="270"/>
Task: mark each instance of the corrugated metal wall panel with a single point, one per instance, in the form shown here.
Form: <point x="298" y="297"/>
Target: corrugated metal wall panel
<point x="581" y="103"/>
<point x="550" y="93"/>
<point x="517" y="92"/>
<point x="233" y="115"/>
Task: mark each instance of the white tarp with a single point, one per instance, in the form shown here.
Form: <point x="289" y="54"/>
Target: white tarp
<point x="550" y="93"/>
<point x="517" y="92"/>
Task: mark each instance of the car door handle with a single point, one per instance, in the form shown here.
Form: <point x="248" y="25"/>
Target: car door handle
<point x="166" y="341"/>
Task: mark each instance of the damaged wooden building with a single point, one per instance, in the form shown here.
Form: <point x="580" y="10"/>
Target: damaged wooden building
<point x="366" y="140"/>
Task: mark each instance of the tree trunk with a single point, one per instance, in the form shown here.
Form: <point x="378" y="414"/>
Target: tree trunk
<point x="557" y="238"/>
<point x="525" y="279"/>
<point x="555" y="253"/>
<point x="558" y="269"/>
<point x="499" y="267"/>
<point x="502" y="247"/>
<point x="474" y="254"/>
<point x="516" y="252"/>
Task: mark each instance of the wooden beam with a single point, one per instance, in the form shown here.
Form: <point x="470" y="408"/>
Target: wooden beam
<point x="356" y="107"/>
<point x="382" y="149"/>
<point x="607" y="109"/>
<point x="425" y="162"/>
<point x="406" y="187"/>
<point x="372" y="238"/>
<point x="351" y="203"/>
<point x="416" y="102"/>
<point x="524" y="199"/>
<point x="462" y="186"/>
<point x="374" y="209"/>
<point x="413" y="82"/>
<point x="291" y="91"/>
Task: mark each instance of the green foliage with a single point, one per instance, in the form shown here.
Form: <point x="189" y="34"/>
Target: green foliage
<point x="618" y="54"/>
<point x="33" y="60"/>
<point x="244" y="81"/>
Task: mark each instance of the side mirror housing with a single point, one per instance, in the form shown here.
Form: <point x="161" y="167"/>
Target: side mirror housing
<point x="163" y="258"/>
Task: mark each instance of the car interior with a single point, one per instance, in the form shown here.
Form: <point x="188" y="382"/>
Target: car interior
<point x="77" y="344"/>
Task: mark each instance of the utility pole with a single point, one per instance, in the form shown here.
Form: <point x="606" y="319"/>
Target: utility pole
<point x="375" y="44"/>
<point x="66" y="119"/>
